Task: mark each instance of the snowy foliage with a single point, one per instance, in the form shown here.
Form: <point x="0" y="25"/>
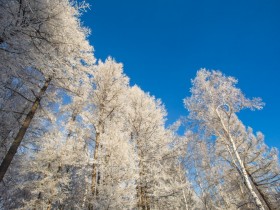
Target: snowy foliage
<point x="74" y="134"/>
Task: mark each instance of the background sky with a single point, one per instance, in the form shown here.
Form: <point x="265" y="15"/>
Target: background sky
<point x="162" y="44"/>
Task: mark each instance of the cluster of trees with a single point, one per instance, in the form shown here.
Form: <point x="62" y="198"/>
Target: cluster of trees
<point x="74" y="134"/>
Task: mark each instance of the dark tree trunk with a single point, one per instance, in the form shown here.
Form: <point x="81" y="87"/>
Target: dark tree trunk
<point x="17" y="141"/>
<point x="142" y="197"/>
<point x="95" y="174"/>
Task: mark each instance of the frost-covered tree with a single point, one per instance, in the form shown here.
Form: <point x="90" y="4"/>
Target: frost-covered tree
<point x="42" y="34"/>
<point x="64" y="149"/>
<point x="151" y="140"/>
<point x="261" y="164"/>
<point x="44" y="37"/>
<point x="15" y="98"/>
<point x="81" y="138"/>
<point x="209" y="174"/>
<point x="203" y="173"/>
<point x="213" y="105"/>
<point x="78" y="133"/>
<point x="112" y="169"/>
<point x="117" y="170"/>
<point x="187" y="198"/>
<point x="110" y="84"/>
<point x="51" y="167"/>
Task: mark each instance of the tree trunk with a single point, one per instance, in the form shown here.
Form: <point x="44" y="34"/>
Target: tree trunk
<point x="183" y="191"/>
<point x="142" y="198"/>
<point x="260" y="192"/>
<point x="17" y="141"/>
<point x="49" y="207"/>
<point x="246" y="178"/>
<point x="242" y="167"/>
<point x="95" y="178"/>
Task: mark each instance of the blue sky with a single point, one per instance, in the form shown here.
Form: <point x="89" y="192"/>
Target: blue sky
<point x="162" y="43"/>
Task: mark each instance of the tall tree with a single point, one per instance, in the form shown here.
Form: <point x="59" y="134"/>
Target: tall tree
<point x="51" y="169"/>
<point x="261" y="163"/>
<point x="46" y="36"/>
<point x="151" y="140"/>
<point x="106" y="113"/>
<point x="117" y="170"/>
<point x="213" y="104"/>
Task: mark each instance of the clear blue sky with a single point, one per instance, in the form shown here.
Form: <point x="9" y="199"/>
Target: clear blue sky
<point x="162" y="43"/>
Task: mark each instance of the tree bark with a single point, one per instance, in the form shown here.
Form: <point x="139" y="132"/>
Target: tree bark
<point x="142" y="198"/>
<point x="17" y="141"/>
<point x="242" y="167"/>
<point x="49" y="207"/>
<point x="95" y="178"/>
<point x="183" y="191"/>
<point x="246" y="178"/>
<point x="259" y="191"/>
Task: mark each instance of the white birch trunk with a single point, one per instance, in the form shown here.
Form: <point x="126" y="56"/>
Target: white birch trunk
<point x="242" y="168"/>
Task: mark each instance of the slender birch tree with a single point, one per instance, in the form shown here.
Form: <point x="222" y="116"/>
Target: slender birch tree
<point x="213" y="104"/>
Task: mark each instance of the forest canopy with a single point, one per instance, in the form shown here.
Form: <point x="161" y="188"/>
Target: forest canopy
<point x="75" y="134"/>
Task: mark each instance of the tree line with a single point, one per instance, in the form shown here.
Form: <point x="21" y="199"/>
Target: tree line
<point x="74" y="134"/>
